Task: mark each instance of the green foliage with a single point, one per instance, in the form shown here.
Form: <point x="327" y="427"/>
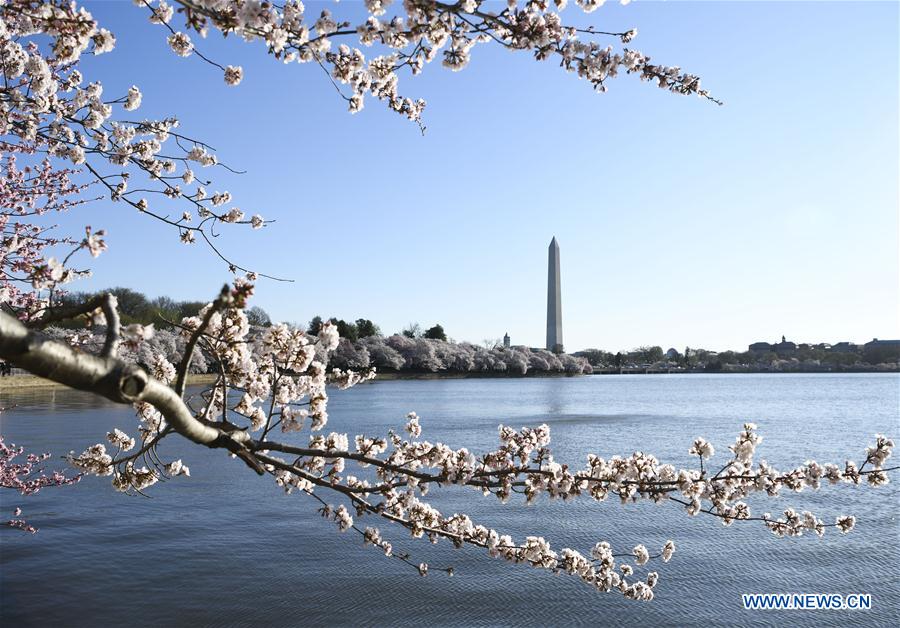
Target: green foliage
<point x="646" y="355"/>
<point x="413" y="330"/>
<point x="436" y="333"/>
<point x="597" y="357"/>
<point x="366" y="328"/>
<point x="315" y="325"/>
<point x="875" y="354"/>
<point x="258" y="316"/>
<point x="346" y="330"/>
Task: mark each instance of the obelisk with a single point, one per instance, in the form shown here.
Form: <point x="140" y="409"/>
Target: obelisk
<point x="554" y="303"/>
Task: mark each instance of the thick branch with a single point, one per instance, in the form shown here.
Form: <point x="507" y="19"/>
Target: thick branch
<point x="106" y="302"/>
<point x="113" y="379"/>
<point x="217" y="305"/>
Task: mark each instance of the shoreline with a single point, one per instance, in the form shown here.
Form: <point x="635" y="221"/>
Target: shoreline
<point x="396" y="375"/>
<point x="740" y="371"/>
<point x="25" y="382"/>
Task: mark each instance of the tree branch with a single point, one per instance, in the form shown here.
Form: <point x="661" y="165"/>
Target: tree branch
<point x="115" y="380"/>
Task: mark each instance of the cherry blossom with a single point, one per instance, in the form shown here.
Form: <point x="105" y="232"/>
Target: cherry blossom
<point x="27" y="478"/>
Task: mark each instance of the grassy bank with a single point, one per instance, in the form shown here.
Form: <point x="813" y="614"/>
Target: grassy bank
<point x="18" y="382"/>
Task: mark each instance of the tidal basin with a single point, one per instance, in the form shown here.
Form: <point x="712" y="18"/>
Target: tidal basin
<point x="225" y="547"/>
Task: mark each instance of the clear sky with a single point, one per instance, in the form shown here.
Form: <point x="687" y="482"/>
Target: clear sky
<point x="680" y="222"/>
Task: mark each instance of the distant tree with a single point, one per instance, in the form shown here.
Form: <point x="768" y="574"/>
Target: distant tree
<point x="573" y="365"/>
<point x="345" y="329"/>
<point x="618" y="359"/>
<point x="315" y="325"/>
<point x="842" y="358"/>
<point x="349" y="355"/>
<point x="418" y="353"/>
<point x="382" y="356"/>
<point x="189" y="308"/>
<point x="489" y="360"/>
<point x="133" y="306"/>
<point x="768" y="357"/>
<point x="596" y="357"/>
<point x="876" y="354"/>
<point x="648" y="355"/>
<point x="728" y="357"/>
<point x="516" y="361"/>
<point x="435" y="333"/>
<point x="165" y="303"/>
<point x="413" y="330"/>
<point x="258" y="316"/>
<point x="459" y="358"/>
<point x="366" y="328"/>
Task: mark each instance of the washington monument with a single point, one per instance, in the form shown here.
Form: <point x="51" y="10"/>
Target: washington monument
<point x="554" y="303"/>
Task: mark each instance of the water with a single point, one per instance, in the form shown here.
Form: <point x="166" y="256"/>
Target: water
<point x="228" y="548"/>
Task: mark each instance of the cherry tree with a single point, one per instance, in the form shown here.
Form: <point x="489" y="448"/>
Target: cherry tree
<point x="269" y="404"/>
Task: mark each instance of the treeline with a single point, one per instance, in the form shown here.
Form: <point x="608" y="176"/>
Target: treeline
<point x="418" y="350"/>
<point x="362" y="345"/>
<point x="420" y="354"/>
<point x="162" y="312"/>
<point x="803" y="357"/>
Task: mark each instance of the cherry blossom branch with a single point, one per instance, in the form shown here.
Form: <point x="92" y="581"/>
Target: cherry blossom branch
<point x="219" y="304"/>
<point x="113" y="379"/>
<point x="27" y="478"/>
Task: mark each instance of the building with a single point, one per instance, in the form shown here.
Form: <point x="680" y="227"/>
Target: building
<point x="672" y="353"/>
<point x="879" y="351"/>
<point x="554" y="301"/>
<point x="785" y="347"/>
<point x="506" y="342"/>
<point x="886" y="344"/>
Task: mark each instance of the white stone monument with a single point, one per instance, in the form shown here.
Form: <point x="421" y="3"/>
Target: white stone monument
<point x="554" y="303"/>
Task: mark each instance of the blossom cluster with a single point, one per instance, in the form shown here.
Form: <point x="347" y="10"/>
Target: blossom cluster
<point x="274" y="377"/>
<point x="30" y="252"/>
<point x="27" y="478"/>
<point x="425" y="30"/>
<point x="398" y="352"/>
<point x="403" y="470"/>
<point x="49" y="108"/>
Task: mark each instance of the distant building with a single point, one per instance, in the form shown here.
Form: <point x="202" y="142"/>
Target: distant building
<point x="506" y="340"/>
<point x="878" y="344"/>
<point x="785" y="347"/>
<point x="672" y="353"/>
<point x="845" y="347"/>
<point x="879" y="351"/>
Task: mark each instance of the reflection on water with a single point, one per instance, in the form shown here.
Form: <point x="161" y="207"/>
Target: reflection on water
<point x="228" y="548"/>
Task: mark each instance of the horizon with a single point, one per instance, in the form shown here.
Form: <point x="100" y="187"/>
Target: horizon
<point x="680" y="223"/>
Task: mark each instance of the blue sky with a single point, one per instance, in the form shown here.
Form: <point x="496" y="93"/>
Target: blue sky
<point x="680" y="222"/>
